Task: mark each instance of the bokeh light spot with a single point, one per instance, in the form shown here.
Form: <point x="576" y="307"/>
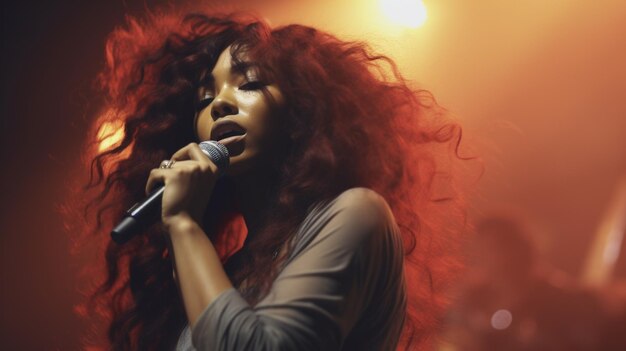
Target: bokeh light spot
<point x="501" y="319"/>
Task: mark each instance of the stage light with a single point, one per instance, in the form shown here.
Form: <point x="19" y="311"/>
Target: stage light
<point x="110" y="135"/>
<point x="409" y="13"/>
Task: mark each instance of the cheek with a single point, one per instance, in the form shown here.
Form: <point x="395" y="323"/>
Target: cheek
<point x="257" y="116"/>
<point x="203" y="126"/>
<point x="264" y="126"/>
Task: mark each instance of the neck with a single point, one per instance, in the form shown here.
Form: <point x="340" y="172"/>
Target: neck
<point x="254" y="195"/>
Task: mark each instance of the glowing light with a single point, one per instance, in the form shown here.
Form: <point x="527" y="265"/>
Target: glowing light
<point x="501" y="319"/>
<point x="110" y="135"/>
<point x="410" y="13"/>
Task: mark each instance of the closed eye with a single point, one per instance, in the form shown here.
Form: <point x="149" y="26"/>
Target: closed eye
<point x="253" y="85"/>
<point x="204" y="102"/>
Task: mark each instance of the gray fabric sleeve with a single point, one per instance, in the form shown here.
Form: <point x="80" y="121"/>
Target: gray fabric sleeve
<point x="320" y="294"/>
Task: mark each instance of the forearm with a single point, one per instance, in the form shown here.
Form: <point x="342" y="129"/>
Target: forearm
<point x="200" y="274"/>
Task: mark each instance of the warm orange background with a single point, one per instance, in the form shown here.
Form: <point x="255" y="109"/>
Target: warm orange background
<point x="540" y="87"/>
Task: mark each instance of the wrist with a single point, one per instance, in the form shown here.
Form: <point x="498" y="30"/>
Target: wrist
<point x="180" y="223"/>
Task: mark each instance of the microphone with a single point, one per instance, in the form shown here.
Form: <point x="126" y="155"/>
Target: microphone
<point x="148" y="211"/>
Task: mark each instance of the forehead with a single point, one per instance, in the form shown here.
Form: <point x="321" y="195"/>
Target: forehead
<point x="223" y="66"/>
<point x="226" y="66"/>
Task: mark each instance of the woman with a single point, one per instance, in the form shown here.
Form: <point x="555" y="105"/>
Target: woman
<point x="322" y="234"/>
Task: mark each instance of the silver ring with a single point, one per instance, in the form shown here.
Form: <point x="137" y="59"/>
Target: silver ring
<point x="165" y="164"/>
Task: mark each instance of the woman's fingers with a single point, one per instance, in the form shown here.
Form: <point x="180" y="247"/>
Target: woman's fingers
<point x="157" y="176"/>
<point x="160" y="175"/>
<point x="188" y="187"/>
<point x="193" y="152"/>
<point x="190" y="152"/>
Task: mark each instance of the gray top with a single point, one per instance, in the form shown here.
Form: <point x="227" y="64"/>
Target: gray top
<point x="342" y="288"/>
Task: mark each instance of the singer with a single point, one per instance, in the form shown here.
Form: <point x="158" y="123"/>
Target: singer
<point x="324" y="233"/>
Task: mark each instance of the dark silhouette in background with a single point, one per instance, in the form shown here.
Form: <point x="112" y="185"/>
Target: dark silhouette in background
<point x="511" y="299"/>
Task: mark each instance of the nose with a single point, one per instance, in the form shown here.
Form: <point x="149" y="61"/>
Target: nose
<point x="223" y="106"/>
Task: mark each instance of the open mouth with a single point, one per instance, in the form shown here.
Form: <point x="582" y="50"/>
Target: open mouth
<point x="226" y="129"/>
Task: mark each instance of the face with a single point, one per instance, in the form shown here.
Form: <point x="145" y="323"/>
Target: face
<point x="236" y="109"/>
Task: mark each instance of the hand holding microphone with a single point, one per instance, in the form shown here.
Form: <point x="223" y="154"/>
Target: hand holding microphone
<point x="188" y="179"/>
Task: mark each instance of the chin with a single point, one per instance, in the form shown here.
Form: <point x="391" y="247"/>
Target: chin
<point x="241" y="165"/>
<point x="248" y="164"/>
<point x="235" y="170"/>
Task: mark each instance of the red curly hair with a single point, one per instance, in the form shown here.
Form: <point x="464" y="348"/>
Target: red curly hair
<point x="350" y="123"/>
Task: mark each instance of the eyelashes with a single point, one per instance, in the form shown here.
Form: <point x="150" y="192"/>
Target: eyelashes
<point x="208" y="98"/>
<point x="253" y="85"/>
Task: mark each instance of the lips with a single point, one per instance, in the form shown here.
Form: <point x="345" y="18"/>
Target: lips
<point x="225" y="128"/>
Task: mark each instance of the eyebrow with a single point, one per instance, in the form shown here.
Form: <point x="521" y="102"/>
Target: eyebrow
<point x="242" y="67"/>
<point x="239" y="68"/>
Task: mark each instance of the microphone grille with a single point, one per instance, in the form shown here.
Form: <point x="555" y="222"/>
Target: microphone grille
<point x="218" y="153"/>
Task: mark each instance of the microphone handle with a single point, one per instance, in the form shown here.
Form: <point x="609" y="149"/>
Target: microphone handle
<point x="139" y="216"/>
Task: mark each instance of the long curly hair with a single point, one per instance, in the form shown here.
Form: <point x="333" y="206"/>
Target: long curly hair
<point x="352" y="121"/>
